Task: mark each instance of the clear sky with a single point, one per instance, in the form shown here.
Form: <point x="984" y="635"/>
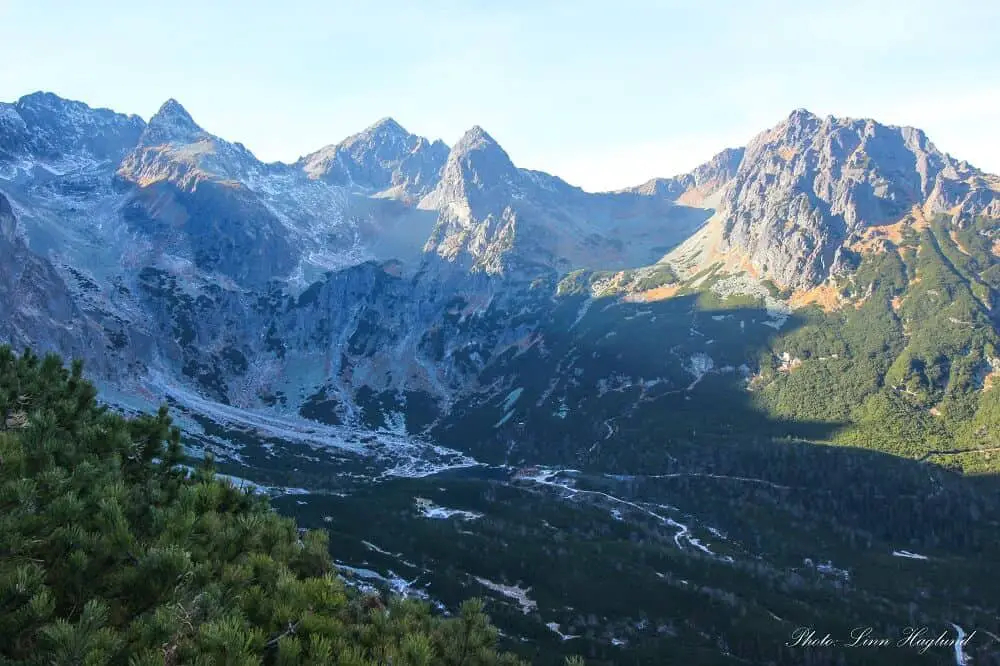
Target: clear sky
<point x="602" y="93"/>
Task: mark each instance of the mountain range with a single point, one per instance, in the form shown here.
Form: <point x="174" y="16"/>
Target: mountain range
<point x="826" y="293"/>
<point x="100" y="197"/>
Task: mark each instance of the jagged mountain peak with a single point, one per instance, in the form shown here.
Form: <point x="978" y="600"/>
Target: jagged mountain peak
<point x="479" y="159"/>
<point x="175" y="148"/>
<point x="476" y="138"/>
<point x="799" y="125"/>
<point x="387" y="126"/>
<point x="808" y="185"/>
<point x="51" y="106"/>
<point x="41" y="98"/>
<point x="829" y="145"/>
<point x="383" y="157"/>
<point x="803" y="125"/>
<point x="384" y="132"/>
<point x="385" y="139"/>
<point x="173" y="107"/>
<point x="802" y="115"/>
<point x="50" y="103"/>
<point x="172" y="123"/>
<point x="66" y="135"/>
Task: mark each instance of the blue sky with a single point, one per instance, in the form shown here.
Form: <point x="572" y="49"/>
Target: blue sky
<point x="604" y="94"/>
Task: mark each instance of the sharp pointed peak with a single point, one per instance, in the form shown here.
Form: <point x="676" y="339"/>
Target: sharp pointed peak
<point x="174" y="110"/>
<point x="477" y="132"/>
<point x="476" y="138"/>
<point x="384" y="130"/>
<point x="802" y="117"/>
<point x="479" y="151"/>
<point x="802" y="112"/>
<point x="387" y="124"/>
<point x="172" y="122"/>
<point x="800" y="122"/>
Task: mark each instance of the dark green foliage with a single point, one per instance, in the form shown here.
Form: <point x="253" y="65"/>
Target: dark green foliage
<point x="660" y="275"/>
<point x="112" y="553"/>
<point x="904" y="369"/>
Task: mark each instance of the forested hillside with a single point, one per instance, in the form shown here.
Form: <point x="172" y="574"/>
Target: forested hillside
<point x="112" y="553"/>
<point x="907" y="362"/>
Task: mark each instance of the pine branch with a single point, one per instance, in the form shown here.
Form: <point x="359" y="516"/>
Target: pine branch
<point x="292" y="628"/>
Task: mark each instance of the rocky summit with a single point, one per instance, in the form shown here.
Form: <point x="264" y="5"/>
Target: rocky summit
<point x="811" y="184"/>
<point x="679" y="419"/>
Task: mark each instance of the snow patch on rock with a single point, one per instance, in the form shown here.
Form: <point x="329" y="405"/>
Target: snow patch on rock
<point x="429" y="509"/>
<point x="518" y="594"/>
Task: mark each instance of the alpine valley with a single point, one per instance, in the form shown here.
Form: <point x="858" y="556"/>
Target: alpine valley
<point x="667" y="424"/>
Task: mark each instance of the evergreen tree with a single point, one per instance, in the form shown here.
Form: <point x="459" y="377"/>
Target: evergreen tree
<point x="111" y="553"/>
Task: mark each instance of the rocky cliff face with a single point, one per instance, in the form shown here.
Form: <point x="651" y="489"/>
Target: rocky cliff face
<point x="806" y="186"/>
<point x="385" y="159"/>
<point x="38" y="309"/>
<point x="503" y="220"/>
<point x="173" y="148"/>
<point x="42" y="128"/>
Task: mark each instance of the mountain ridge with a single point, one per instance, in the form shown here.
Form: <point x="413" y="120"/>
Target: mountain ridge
<point x="807" y="184"/>
<point x="172" y="106"/>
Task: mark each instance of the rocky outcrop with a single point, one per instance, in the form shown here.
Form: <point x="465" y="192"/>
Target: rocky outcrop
<point x="384" y="159"/>
<point x="174" y="148"/>
<point x="38" y="310"/>
<point x="805" y="186"/>
<point x="62" y="134"/>
<point x="504" y="220"/>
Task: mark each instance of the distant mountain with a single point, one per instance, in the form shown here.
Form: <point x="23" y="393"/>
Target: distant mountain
<point x="44" y="129"/>
<point x="701" y="185"/>
<point x="502" y="219"/>
<point x="384" y="159"/>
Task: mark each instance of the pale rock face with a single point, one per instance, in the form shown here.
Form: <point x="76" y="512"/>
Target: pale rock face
<point x="37" y="308"/>
<point x="45" y="130"/>
<point x="385" y="158"/>
<point x="805" y="186"/>
<point x="504" y="220"/>
<point x="174" y="148"/>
